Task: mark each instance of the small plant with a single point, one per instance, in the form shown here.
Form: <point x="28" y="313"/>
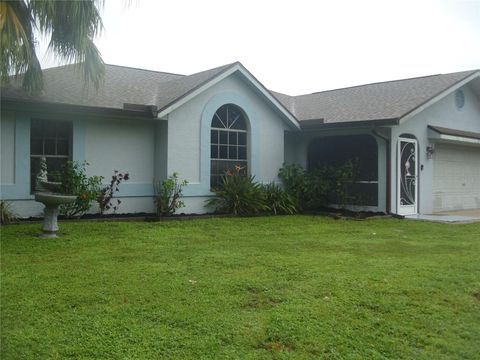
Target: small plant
<point x="7" y="214"/>
<point x="105" y="197"/>
<point x="278" y="200"/>
<point x="238" y="195"/>
<point x="168" y="194"/>
<point x="76" y="182"/>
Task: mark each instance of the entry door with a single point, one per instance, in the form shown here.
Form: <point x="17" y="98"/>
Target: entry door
<point x="407" y="172"/>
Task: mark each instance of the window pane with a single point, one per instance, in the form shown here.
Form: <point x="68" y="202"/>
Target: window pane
<point x="242" y="138"/>
<point x="239" y="124"/>
<point x="232" y="152"/>
<point x="223" y="137"/>
<point x="36" y="146"/>
<point x="242" y="153"/>
<point x="223" y="152"/>
<point x="50" y="129"/>
<point x="214" y="151"/>
<point x="50" y="147"/>
<point x="214" y="136"/>
<point x="62" y="147"/>
<point x="232" y="138"/>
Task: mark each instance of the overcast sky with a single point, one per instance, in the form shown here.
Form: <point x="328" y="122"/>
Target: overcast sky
<point x="294" y="47"/>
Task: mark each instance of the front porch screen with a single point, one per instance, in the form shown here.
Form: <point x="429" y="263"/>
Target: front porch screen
<point x="52" y="139"/>
<point x="335" y="151"/>
<point x="228" y="143"/>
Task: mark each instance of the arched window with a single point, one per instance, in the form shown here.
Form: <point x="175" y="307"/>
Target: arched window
<point x="228" y="143"/>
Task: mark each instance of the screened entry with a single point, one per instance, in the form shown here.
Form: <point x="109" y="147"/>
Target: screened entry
<point x="335" y="151"/>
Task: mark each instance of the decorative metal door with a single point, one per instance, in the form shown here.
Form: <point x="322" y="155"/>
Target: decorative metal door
<point x="407" y="171"/>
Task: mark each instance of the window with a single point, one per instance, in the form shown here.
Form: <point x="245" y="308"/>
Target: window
<point x="52" y="139"/>
<point x="228" y="143"/>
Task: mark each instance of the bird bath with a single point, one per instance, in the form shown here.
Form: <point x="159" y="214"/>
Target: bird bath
<point x="47" y="193"/>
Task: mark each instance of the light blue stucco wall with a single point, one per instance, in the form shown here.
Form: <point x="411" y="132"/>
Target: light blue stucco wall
<point x="443" y="113"/>
<point x="149" y="150"/>
<point x="106" y="143"/>
<point x="189" y="138"/>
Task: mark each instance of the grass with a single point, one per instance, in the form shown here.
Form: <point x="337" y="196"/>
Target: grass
<point x="293" y="287"/>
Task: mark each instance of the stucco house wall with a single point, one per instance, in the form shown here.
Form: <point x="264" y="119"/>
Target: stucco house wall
<point x="150" y="150"/>
<point x="107" y="144"/>
<point x="442" y="113"/>
<point x="189" y="138"/>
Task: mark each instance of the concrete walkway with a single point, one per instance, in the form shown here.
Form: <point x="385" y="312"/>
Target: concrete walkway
<point x="457" y="217"/>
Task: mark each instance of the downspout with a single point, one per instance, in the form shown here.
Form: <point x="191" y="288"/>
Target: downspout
<point x="388" y="166"/>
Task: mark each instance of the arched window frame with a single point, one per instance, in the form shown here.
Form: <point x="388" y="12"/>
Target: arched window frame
<point x="228" y="143"/>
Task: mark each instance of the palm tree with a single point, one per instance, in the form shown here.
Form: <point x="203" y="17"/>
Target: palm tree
<point x="71" y="25"/>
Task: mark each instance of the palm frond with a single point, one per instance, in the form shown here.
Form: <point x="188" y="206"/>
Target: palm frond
<point x="17" y="47"/>
<point x="73" y="25"/>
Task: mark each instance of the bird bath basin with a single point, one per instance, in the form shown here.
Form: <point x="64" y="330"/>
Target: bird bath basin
<point x="47" y="194"/>
<point x="50" y="214"/>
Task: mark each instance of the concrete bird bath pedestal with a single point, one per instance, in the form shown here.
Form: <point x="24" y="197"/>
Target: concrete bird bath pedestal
<point x="47" y="193"/>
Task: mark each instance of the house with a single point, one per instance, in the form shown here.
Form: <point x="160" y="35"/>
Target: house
<point x="417" y="140"/>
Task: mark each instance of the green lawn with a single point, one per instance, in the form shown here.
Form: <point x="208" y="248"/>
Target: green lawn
<point x="248" y="288"/>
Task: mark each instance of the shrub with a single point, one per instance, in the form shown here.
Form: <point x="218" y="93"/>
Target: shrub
<point x="7" y="214"/>
<point x="75" y="182"/>
<point x="167" y="195"/>
<point x="278" y="200"/>
<point x="308" y="189"/>
<point x="106" y="193"/>
<point x="238" y="195"/>
<point x="343" y="177"/>
<point x="321" y="186"/>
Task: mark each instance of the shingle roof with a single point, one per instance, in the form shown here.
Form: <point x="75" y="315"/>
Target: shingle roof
<point x="379" y="101"/>
<point x="121" y="85"/>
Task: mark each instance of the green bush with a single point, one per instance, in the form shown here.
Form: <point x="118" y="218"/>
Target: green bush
<point x="239" y="195"/>
<point x="76" y="182"/>
<point x="321" y="186"/>
<point x="167" y="195"/>
<point x="278" y="200"/>
<point x="7" y="214"/>
<point x="308" y="189"/>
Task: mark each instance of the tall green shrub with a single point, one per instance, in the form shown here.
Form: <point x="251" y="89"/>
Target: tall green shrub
<point x="321" y="186"/>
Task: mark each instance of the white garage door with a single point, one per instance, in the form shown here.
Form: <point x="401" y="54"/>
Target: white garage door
<point x="456" y="177"/>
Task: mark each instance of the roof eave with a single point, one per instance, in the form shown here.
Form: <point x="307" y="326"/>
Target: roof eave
<point x="321" y="125"/>
<point x="90" y="110"/>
